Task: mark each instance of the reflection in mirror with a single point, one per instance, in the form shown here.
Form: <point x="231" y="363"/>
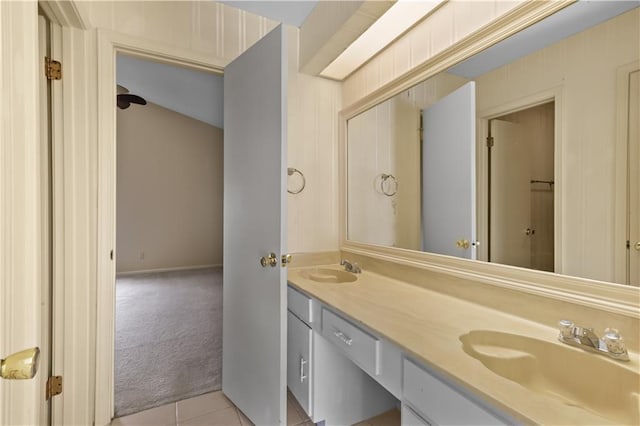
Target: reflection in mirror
<point x="556" y="133"/>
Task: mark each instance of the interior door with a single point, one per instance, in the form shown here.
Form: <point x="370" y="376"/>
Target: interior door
<point x="23" y="235"/>
<point x="510" y="229"/>
<point x="449" y="175"/>
<point x="633" y="176"/>
<point x="254" y="297"/>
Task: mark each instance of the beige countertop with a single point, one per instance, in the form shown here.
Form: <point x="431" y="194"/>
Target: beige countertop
<point x="427" y="325"/>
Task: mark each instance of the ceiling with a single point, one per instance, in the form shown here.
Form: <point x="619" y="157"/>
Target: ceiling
<point x="292" y="12"/>
<point x="196" y="94"/>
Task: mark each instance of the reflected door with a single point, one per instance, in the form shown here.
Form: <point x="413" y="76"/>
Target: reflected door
<point x="449" y="175"/>
<point x="634" y="178"/>
<point x="254" y="297"/>
<point x="510" y="229"/>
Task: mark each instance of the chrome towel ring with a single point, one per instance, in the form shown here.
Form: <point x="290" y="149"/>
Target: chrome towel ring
<point x="391" y="188"/>
<point x="290" y="172"/>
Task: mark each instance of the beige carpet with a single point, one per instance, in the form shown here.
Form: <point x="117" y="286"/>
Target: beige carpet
<point x="168" y="337"/>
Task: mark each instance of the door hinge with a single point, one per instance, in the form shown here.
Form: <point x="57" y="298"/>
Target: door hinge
<point x="54" y="386"/>
<point x="52" y="69"/>
<point x="489" y="141"/>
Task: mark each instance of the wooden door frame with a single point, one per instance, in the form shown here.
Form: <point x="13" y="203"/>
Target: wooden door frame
<point x="109" y="45"/>
<point x="556" y="95"/>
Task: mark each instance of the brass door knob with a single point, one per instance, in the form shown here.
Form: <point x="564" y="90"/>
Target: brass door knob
<point x="270" y="260"/>
<point x="637" y="245"/>
<point x="21" y="365"/>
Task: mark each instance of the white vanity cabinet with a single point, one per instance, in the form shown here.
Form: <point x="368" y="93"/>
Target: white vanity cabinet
<point x="299" y="350"/>
<point x="430" y="400"/>
<point x="326" y="383"/>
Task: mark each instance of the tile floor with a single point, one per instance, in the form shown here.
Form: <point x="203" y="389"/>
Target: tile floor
<point x="214" y="409"/>
<point x="211" y="409"/>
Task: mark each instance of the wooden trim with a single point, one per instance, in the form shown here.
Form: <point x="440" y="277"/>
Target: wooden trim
<point x="597" y="294"/>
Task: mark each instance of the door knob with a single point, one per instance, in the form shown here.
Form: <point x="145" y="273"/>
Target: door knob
<point x="270" y="260"/>
<point x="21" y="365"/>
<point x="637" y="245"/>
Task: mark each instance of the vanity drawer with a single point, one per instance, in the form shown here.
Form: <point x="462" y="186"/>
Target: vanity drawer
<point x="357" y="344"/>
<point x="299" y="304"/>
<point x="440" y="402"/>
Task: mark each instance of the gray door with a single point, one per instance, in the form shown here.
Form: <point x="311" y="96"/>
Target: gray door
<point x="449" y="175"/>
<point x="254" y="297"/>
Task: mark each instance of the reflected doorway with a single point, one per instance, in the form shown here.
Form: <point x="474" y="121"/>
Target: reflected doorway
<point x="521" y="188"/>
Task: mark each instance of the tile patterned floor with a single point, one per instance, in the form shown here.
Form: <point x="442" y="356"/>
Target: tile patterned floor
<point x="211" y="409"/>
<point x="215" y="409"/>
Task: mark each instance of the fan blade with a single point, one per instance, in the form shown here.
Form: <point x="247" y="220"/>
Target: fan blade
<point x="134" y="99"/>
<point x="130" y="99"/>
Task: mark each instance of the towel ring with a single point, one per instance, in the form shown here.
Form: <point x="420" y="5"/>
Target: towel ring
<point x="391" y="191"/>
<point x="290" y="172"/>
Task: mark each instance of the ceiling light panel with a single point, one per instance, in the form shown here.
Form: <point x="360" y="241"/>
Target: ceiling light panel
<point x="398" y="19"/>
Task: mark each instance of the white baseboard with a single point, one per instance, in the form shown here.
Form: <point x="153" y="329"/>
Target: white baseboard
<point x="177" y="268"/>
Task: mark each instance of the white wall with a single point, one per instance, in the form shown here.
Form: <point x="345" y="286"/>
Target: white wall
<point x="584" y="68"/>
<point x="216" y="32"/>
<point x="313" y="109"/>
<point x="169" y="190"/>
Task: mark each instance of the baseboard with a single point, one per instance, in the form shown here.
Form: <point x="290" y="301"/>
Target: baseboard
<point x="176" y="268"/>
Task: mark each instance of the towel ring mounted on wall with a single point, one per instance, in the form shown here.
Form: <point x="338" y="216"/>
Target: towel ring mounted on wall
<point x="290" y="172"/>
<point x="392" y="188"/>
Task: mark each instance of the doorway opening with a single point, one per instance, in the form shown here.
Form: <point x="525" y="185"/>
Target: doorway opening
<point x="169" y="199"/>
<point x="521" y="185"/>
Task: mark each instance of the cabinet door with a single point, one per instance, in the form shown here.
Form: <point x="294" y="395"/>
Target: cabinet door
<point x="299" y="361"/>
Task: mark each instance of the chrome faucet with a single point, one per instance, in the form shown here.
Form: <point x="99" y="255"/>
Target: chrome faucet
<point x="611" y="343"/>
<point x="350" y="267"/>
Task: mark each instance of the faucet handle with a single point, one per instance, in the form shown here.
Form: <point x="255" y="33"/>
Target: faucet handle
<point x="566" y="328"/>
<point x="614" y="341"/>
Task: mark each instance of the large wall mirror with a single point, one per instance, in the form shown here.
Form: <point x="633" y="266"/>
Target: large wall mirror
<point x="525" y="154"/>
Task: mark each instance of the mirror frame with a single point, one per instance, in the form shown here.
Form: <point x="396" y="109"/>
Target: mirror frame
<point x="607" y="296"/>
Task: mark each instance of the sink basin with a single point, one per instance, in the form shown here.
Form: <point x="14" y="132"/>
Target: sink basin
<point x="327" y="275"/>
<point x="577" y="378"/>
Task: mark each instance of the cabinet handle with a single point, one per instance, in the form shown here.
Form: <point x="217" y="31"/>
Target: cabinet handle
<point x="302" y="363"/>
<point x="345" y="339"/>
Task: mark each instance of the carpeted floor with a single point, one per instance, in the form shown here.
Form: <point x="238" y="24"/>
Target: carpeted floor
<point x="168" y="337"/>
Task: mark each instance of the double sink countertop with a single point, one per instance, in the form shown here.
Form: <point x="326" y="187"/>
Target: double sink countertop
<point x="428" y="325"/>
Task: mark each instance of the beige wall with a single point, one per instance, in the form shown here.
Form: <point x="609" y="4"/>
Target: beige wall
<point x="169" y="190"/>
<point x="583" y="68"/>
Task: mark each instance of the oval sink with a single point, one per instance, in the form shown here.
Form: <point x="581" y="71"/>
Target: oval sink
<point x="326" y="275"/>
<point x="575" y="377"/>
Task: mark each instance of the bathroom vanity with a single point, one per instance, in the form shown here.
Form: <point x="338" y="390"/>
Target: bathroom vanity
<point x="445" y="360"/>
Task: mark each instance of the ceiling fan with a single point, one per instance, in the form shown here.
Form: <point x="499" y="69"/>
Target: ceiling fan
<point x="125" y="99"/>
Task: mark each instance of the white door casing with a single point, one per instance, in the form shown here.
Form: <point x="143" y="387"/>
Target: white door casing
<point x="254" y="297"/>
<point x="449" y="174"/>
